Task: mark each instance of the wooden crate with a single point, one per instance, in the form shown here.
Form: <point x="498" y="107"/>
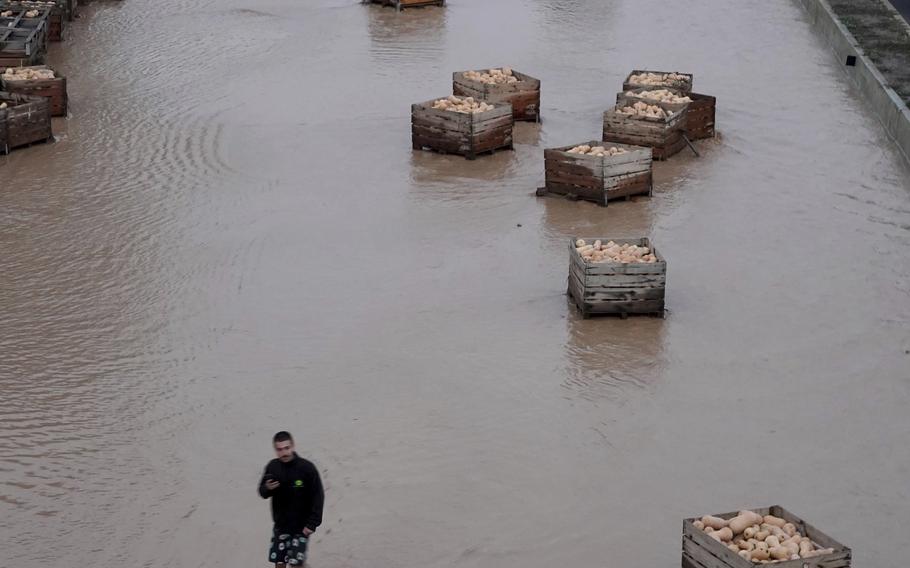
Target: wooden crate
<point x="684" y="87"/>
<point x="699" y="118"/>
<point x="614" y="288"/>
<point x="54" y="89"/>
<point x="25" y="121"/>
<point x="402" y="4"/>
<point x="468" y="135"/>
<point x="663" y="135"/>
<point x="19" y="47"/>
<point x="701" y="551"/>
<point x="524" y="94"/>
<point x="597" y="179"/>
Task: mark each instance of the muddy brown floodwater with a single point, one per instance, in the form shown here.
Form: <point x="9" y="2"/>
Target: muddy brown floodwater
<point x="233" y="236"/>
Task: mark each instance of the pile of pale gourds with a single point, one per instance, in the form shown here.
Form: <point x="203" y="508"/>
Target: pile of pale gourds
<point x="6" y="14"/>
<point x="26" y="74"/>
<point x="32" y="13"/>
<point x="662" y="95"/>
<point x="598" y="151"/>
<point x="3" y="106"/>
<point x="613" y="252"/>
<point x="659" y="79"/>
<point x="465" y="105"/>
<point x="493" y="76"/>
<point x="760" y="539"/>
<point x="642" y="109"/>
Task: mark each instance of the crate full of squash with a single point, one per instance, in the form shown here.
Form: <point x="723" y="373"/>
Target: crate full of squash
<point x="747" y="538"/>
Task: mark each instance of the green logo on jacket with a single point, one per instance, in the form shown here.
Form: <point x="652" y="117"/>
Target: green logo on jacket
<point x="298" y="483"/>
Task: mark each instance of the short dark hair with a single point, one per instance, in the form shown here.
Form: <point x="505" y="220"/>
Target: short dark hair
<point x="282" y="437"/>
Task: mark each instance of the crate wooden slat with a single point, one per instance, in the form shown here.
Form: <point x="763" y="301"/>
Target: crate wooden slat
<point x="523" y="94"/>
<point x="663" y="135"/>
<point x="700" y="113"/>
<point x="459" y="133"/>
<point x="26" y="120"/>
<point x="701" y="551"/>
<point x="54" y="89"/>
<point x="614" y="288"/>
<point x="686" y="86"/>
<point x="402" y="4"/>
<point x="598" y="179"/>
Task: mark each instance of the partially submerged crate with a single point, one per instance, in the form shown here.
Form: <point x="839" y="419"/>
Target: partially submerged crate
<point x="54" y="89"/>
<point x="684" y="84"/>
<point x="699" y="117"/>
<point x="26" y="120"/>
<point x="19" y="47"/>
<point x="402" y="4"/>
<point x="524" y="94"/>
<point x="465" y="134"/>
<point x="595" y="178"/>
<point x="701" y="551"/>
<point x="617" y="289"/>
<point x="663" y="135"/>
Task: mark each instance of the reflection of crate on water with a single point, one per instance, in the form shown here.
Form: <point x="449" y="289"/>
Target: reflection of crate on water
<point x="699" y="550"/>
<point x="402" y="4"/>
<point x="466" y="134"/>
<point x="615" y="288"/>
<point x="524" y="94"/>
<point x="597" y="178"/>
<point x="24" y="121"/>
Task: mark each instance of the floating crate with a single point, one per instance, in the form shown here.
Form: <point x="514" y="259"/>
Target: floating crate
<point x="663" y="135"/>
<point x="699" y="118"/>
<point x="54" y="89"/>
<point x="684" y="86"/>
<point x="598" y="179"/>
<point x="468" y="135"/>
<point x="25" y="121"/>
<point x="701" y="551"/>
<point x="614" y="288"/>
<point x="523" y="94"/>
<point x="402" y="4"/>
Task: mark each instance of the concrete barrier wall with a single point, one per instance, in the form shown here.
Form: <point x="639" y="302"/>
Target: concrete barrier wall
<point x="883" y="101"/>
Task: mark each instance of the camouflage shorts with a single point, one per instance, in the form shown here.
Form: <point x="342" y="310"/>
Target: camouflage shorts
<point x="288" y="549"/>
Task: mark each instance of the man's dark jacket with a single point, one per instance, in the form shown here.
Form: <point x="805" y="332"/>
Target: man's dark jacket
<point x="297" y="502"/>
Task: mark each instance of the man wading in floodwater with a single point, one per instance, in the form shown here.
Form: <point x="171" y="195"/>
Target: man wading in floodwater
<point x="295" y="488"/>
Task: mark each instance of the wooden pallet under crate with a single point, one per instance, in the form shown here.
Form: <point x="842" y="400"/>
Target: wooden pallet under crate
<point x="701" y="551"/>
<point x="450" y="132"/>
<point x="598" y="179"/>
<point x="523" y="94"/>
<point x="617" y="289"/>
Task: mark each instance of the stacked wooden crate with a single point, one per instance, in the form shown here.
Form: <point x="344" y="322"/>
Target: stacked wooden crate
<point x="598" y="178"/>
<point x="700" y="113"/>
<point x="524" y="94"/>
<point x="23" y="41"/>
<point x="24" y="120"/>
<point x="466" y="134"/>
<point x="54" y="89"/>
